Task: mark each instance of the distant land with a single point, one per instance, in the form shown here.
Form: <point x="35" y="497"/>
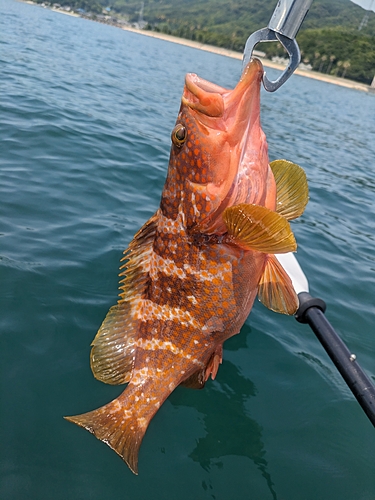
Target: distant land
<point x="337" y="37"/>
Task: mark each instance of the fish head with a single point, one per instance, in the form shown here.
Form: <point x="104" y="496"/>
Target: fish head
<point x="219" y="154"/>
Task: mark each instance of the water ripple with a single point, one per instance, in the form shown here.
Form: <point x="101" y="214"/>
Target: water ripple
<point x="86" y="112"/>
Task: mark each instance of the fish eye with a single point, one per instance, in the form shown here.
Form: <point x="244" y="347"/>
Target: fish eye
<point x="179" y="135"/>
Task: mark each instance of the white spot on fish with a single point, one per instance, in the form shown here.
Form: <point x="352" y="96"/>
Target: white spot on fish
<point x="197" y="362"/>
<point x="140" y="376"/>
<point x="147" y="310"/>
<point x="155" y="345"/>
<point x="192" y="299"/>
<point x="194" y="205"/>
<point x="161" y="265"/>
<point x="142" y="422"/>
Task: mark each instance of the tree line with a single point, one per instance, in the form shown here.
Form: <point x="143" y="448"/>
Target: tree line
<point x="336" y="37"/>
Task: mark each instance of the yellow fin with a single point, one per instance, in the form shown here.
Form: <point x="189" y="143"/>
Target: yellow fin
<point x="259" y="228"/>
<point x="113" y="350"/>
<point x="275" y="289"/>
<point x="292" y="189"/>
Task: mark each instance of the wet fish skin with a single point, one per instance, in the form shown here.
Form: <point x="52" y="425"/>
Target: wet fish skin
<point x="191" y="274"/>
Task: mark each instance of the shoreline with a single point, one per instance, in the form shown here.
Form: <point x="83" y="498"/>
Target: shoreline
<point x="343" y="82"/>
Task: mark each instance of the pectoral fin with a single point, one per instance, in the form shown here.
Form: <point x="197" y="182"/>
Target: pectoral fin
<point x="292" y="189"/>
<point x="275" y="289"/>
<point x="258" y="228"/>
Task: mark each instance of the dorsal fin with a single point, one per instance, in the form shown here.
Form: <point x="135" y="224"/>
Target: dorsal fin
<point x="292" y="189"/>
<point x="275" y="289"/>
<point x="112" y="352"/>
<point x="258" y="228"/>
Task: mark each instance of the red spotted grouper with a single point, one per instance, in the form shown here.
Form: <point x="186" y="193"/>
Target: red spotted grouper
<point x="192" y="272"/>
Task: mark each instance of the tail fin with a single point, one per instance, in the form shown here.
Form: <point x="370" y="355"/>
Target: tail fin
<point x="118" y="427"/>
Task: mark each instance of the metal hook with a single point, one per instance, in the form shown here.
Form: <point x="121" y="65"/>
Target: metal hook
<point x="283" y="27"/>
<point x="291" y="46"/>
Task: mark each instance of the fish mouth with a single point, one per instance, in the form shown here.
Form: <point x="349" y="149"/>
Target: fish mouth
<point x="232" y="117"/>
<point x="214" y="101"/>
<point x="203" y="96"/>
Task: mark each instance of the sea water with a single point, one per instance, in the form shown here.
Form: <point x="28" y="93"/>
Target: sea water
<point x="86" y="112"/>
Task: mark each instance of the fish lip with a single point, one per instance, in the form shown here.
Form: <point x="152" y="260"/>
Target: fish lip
<point x="230" y="106"/>
<point x="194" y="82"/>
<point x="203" y="96"/>
<point x="242" y="104"/>
<point x="198" y="91"/>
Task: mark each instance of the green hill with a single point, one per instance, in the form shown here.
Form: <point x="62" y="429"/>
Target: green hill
<point x="230" y="16"/>
<point x="329" y="38"/>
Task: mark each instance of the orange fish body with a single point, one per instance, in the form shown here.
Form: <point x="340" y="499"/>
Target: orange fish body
<point x="192" y="272"/>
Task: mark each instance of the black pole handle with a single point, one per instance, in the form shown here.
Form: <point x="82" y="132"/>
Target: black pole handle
<point x="311" y="311"/>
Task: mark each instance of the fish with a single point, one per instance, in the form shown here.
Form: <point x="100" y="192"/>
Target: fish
<point x="191" y="274"/>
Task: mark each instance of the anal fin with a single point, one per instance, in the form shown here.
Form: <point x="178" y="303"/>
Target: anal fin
<point x="275" y="289"/>
<point x="214" y="362"/>
<point x="198" y="379"/>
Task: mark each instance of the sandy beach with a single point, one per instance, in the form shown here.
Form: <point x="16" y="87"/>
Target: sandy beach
<point x="266" y="62"/>
<point x="343" y="82"/>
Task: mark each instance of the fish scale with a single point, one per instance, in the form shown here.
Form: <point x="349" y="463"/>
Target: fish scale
<point x="192" y="272"/>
